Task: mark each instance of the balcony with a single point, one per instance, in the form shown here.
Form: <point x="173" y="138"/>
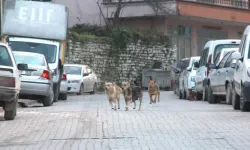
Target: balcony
<point x="140" y="8"/>
<point x="240" y="4"/>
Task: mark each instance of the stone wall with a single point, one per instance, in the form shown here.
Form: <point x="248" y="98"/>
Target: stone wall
<point x="112" y="64"/>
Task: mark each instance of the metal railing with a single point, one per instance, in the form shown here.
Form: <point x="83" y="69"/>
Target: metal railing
<point x="241" y="4"/>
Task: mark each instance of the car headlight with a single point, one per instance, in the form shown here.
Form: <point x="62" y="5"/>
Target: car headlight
<point x="248" y="72"/>
<point x="193" y="79"/>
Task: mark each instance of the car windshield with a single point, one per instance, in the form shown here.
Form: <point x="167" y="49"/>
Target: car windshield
<point x="49" y="51"/>
<point x="219" y="48"/>
<point x="5" y="59"/>
<point x="73" y="70"/>
<point x="29" y="59"/>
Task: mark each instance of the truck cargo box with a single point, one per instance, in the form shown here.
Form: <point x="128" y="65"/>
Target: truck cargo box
<point x="35" y="19"/>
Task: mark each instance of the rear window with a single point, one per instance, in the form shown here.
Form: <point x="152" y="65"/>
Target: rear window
<point x="219" y="48"/>
<point x="5" y="59"/>
<point x="73" y="70"/>
<point x="29" y="59"/>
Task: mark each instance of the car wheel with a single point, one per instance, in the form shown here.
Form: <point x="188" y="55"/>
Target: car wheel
<point x="10" y="114"/>
<point x="81" y="90"/>
<point x="235" y="100"/>
<point x="184" y="94"/>
<point x="205" y="93"/>
<point x="94" y="89"/>
<point x="211" y="98"/>
<point x="244" y="106"/>
<point x="199" y="96"/>
<point x="229" y="94"/>
<point x="48" y="100"/>
<point x="64" y="96"/>
<point x="56" y="94"/>
<point x="180" y="94"/>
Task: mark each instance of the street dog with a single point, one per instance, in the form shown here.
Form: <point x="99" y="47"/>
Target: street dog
<point x="153" y="90"/>
<point x="131" y="94"/>
<point x="113" y="93"/>
<point x="192" y="94"/>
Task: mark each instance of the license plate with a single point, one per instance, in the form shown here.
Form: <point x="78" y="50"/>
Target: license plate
<point x="28" y="73"/>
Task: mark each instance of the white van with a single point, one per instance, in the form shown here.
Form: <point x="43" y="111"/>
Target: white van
<point x="241" y="79"/>
<point x="210" y="51"/>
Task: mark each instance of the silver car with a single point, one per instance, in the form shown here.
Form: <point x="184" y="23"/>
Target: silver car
<point x="64" y="88"/>
<point x="220" y="78"/>
<point x="36" y="81"/>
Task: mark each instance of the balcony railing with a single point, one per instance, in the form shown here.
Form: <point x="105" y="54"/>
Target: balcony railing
<point x="241" y="4"/>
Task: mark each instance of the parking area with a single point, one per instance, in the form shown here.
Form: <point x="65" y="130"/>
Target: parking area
<point x="87" y="122"/>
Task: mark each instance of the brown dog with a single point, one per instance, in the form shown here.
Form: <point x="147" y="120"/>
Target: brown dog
<point x="131" y="94"/>
<point x="192" y="94"/>
<point x="113" y="93"/>
<point x="153" y="89"/>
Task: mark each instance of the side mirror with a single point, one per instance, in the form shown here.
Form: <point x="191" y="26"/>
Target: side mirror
<point x="233" y="65"/>
<point x="196" y="65"/>
<point x="189" y="69"/>
<point x="85" y="74"/>
<point x="212" y="66"/>
<point x="22" y="66"/>
<point x="236" y="55"/>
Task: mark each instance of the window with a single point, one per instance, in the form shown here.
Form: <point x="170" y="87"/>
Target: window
<point x="217" y="58"/>
<point x="203" y="59"/>
<point x="223" y="61"/>
<point x="5" y="59"/>
<point x="49" y="51"/>
<point x="29" y="59"/>
<point x="74" y="70"/>
<point x="229" y="60"/>
<point x="219" y="48"/>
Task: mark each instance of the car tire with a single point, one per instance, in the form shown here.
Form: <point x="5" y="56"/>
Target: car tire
<point x="229" y="94"/>
<point x="199" y="96"/>
<point x="180" y="94"/>
<point x="64" y="96"/>
<point x="10" y="114"/>
<point x="48" y="100"/>
<point x="184" y="94"/>
<point x="244" y="106"/>
<point x="235" y="100"/>
<point x="81" y="90"/>
<point x="56" y="94"/>
<point x="205" y="93"/>
<point x="94" y="89"/>
<point x="211" y="98"/>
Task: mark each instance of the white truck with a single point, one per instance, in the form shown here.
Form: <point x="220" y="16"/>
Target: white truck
<point x="38" y="27"/>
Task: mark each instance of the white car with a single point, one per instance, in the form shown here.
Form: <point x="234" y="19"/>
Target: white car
<point x="81" y="79"/>
<point x="209" y="52"/>
<point x="9" y="81"/>
<point x="64" y="88"/>
<point x="188" y="76"/>
<point x="241" y="79"/>
<point x="220" y="79"/>
<point x="223" y="52"/>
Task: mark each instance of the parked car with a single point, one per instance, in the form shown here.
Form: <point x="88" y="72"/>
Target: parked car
<point x="180" y="66"/>
<point x="210" y="51"/>
<point x="223" y="52"/>
<point x="187" y="78"/>
<point x="64" y="88"/>
<point x="9" y="81"/>
<point x="81" y="79"/>
<point x="220" y="79"/>
<point x="241" y="79"/>
<point x="36" y="81"/>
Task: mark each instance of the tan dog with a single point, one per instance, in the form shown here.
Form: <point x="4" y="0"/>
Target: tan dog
<point x="113" y="93"/>
<point x="153" y="89"/>
<point x="131" y="94"/>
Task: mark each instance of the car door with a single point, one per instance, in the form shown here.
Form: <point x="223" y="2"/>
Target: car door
<point x="229" y="71"/>
<point x="200" y="74"/>
<point x="222" y="74"/>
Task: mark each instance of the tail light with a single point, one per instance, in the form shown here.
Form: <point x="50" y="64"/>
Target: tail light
<point x="45" y="75"/>
<point x="209" y="62"/>
<point x="64" y="77"/>
<point x="7" y="81"/>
